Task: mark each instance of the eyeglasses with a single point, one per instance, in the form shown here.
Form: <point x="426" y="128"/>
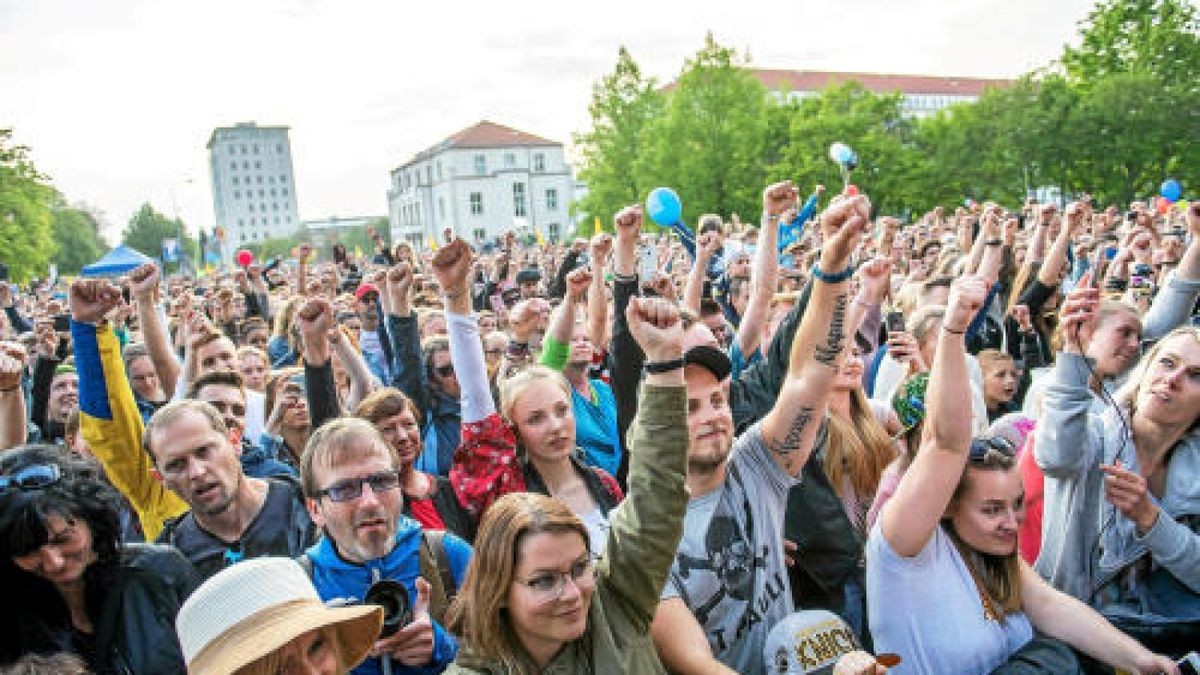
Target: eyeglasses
<point x="236" y="409"/>
<point x="549" y="586"/>
<point x="33" y="477"/>
<point x="351" y="489"/>
<point x="981" y="446"/>
<point x="444" y="371"/>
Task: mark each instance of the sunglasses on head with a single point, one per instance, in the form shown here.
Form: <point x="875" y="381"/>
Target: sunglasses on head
<point x="33" y="477"/>
<point x="981" y="446"/>
<point x="351" y="489"/>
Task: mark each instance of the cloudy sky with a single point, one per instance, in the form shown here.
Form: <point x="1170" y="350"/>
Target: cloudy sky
<point x="117" y="98"/>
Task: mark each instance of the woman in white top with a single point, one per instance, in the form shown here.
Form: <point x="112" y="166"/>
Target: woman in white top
<point x="946" y="589"/>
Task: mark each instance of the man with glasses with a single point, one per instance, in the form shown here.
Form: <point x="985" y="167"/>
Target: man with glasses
<point x="352" y="485"/>
<point x="225" y="391"/>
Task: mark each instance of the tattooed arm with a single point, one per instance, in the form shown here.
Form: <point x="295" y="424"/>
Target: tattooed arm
<point x="820" y="341"/>
<point x="911" y="516"/>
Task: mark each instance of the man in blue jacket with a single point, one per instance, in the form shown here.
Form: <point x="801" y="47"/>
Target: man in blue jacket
<point x="352" y="485"/>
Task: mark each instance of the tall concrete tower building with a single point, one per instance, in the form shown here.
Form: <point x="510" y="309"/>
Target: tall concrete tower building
<point x="254" y="186"/>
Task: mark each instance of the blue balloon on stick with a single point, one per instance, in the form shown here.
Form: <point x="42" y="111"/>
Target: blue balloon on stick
<point x="664" y="207"/>
<point x="1171" y="190"/>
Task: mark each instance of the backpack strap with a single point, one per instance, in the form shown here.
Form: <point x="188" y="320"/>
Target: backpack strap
<point x="306" y="564"/>
<point x="435" y="569"/>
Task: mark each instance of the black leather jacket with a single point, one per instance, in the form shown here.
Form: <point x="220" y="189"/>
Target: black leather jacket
<point x="135" y="632"/>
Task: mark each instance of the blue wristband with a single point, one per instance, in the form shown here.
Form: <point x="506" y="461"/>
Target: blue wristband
<point x="835" y="278"/>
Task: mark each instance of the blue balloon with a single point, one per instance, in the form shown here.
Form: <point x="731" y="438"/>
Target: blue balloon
<point x="664" y="207"/>
<point x="1171" y="190"/>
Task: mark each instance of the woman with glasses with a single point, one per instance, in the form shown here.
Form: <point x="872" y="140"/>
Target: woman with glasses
<point x="1122" y="504"/>
<point x="948" y="540"/>
<point x="535" y="598"/>
<point x="69" y="584"/>
<point x="531" y="444"/>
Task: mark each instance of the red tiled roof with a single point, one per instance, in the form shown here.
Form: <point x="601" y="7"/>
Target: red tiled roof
<point x="489" y="134"/>
<point x="816" y="80"/>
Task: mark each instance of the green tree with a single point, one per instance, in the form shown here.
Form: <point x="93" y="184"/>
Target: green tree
<point x="77" y="235"/>
<point x="25" y="212"/>
<point x="872" y="124"/>
<point x="1156" y="37"/>
<point x="624" y="103"/>
<point x="148" y="228"/>
<point x="278" y="247"/>
<point x="710" y="143"/>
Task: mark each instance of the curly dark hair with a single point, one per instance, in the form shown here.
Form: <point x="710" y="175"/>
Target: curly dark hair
<point x="38" y="619"/>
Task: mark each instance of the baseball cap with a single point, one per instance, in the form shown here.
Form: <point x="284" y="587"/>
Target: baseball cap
<point x="363" y="289"/>
<point x="808" y="642"/>
<point x="712" y="359"/>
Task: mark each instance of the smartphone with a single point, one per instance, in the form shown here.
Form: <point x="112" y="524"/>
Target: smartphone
<point x="647" y="263"/>
<point x="894" y="322"/>
<point x="1190" y="664"/>
<point x="62" y="323"/>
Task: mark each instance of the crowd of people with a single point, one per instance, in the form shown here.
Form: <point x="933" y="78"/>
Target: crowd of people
<point x="827" y="443"/>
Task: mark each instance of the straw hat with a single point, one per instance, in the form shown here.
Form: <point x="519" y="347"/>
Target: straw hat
<point x="249" y="610"/>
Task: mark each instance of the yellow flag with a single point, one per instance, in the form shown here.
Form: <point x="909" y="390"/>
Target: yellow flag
<point x="538" y="234"/>
<point x="432" y="243"/>
<point x="358" y="252"/>
<point x="598" y="228"/>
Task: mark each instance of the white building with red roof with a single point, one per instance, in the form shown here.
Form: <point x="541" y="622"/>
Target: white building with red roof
<point x="923" y="94"/>
<point x="482" y="182"/>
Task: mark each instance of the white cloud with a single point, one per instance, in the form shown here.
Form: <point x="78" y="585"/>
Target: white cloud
<point x="118" y="98"/>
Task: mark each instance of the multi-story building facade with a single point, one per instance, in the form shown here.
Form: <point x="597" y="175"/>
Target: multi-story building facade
<point x="482" y="182"/>
<point x="924" y="95"/>
<point x="253" y="184"/>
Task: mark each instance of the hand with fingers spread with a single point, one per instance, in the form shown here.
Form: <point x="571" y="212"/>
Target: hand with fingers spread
<point x="578" y="281"/>
<point x="1129" y="492"/>
<point x="412" y="645"/>
<point x="91" y="300"/>
<point x="1079" y="315"/>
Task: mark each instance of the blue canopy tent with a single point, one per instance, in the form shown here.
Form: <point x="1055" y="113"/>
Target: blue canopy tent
<point x="117" y="261"/>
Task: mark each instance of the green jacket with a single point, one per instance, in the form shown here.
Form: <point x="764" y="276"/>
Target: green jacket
<point x="645" y="531"/>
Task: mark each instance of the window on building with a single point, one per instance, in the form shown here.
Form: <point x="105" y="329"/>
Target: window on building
<point x="272" y="192"/>
<point x="551" y="199"/>
<point x="263" y="207"/>
<point x="243" y="149"/>
<point x="279" y="147"/>
<point x="271" y="180"/>
<point x="428" y="175"/>
<point x="476" y="201"/>
<point x="480" y="235"/>
<point x="287" y="219"/>
<point x="246" y="165"/>
<point x="259" y="180"/>
<point x="442" y="207"/>
<point x="276" y="220"/>
<point x="439" y="169"/>
<point x="480" y="165"/>
<point x="274" y="206"/>
<point x="256" y="148"/>
<point x="257" y="164"/>
<point x="261" y="192"/>
<point x="233" y="166"/>
<point x="241" y="222"/>
<point x="552" y="231"/>
<point x="519" y="199"/>
<point x="237" y="194"/>
<point x="232" y="149"/>
<point x="539" y="162"/>
<point x="283" y="191"/>
<point x="510" y="159"/>
<point x="283" y="178"/>
<point x="251" y="207"/>
<point x="235" y="180"/>
<point x="243" y="236"/>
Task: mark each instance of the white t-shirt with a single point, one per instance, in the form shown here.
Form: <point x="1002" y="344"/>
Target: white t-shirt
<point x="927" y="609"/>
<point x="729" y="568"/>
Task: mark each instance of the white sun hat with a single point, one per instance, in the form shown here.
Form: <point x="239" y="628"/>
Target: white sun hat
<point x="249" y="610"/>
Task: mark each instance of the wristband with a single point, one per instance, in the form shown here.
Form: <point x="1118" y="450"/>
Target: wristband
<point x="952" y="331"/>
<point x="625" y="278"/>
<point x="656" y="367"/>
<point x="836" y="277"/>
<point x="994" y="242"/>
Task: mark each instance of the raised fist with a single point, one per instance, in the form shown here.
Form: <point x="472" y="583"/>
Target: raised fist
<point x="577" y="283"/>
<point x="779" y="197"/>
<point x="92" y="299"/>
<point x="12" y="361"/>
<point x="628" y="222"/>
<point x="315" y="318"/>
<point x="655" y="324"/>
<point x="967" y="295"/>
<point x="452" y="266"/>
<point x="842" y="225"/>
<point x="143" y="282"/>
<point x="601" y="246"/>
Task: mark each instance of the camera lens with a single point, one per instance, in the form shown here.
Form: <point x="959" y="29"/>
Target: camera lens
<point x="393" y="598"/>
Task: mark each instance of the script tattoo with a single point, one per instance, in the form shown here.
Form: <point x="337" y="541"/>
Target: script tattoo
<point x="791" y="441"/>
<point x="827" y="354"/>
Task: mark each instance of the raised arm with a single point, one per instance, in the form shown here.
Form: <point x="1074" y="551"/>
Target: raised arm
<point x="912" y="515"/>
<point x="763" y="279"/>
<point x="557" y="345"/>
<point x="315" y="320"/>
<point x="597" y="297"/>
<point x="12" y="400"/>
<point x="452" y="268"/>
<point x="1176" y="298"/>
<point x="818" y="347"/>
<point x="303" y="252"/>
<point x="625" y="355"/>
<point x="144" y="283"/>
<point x="693" y="290"/>
<point x="1056" y="258"/>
